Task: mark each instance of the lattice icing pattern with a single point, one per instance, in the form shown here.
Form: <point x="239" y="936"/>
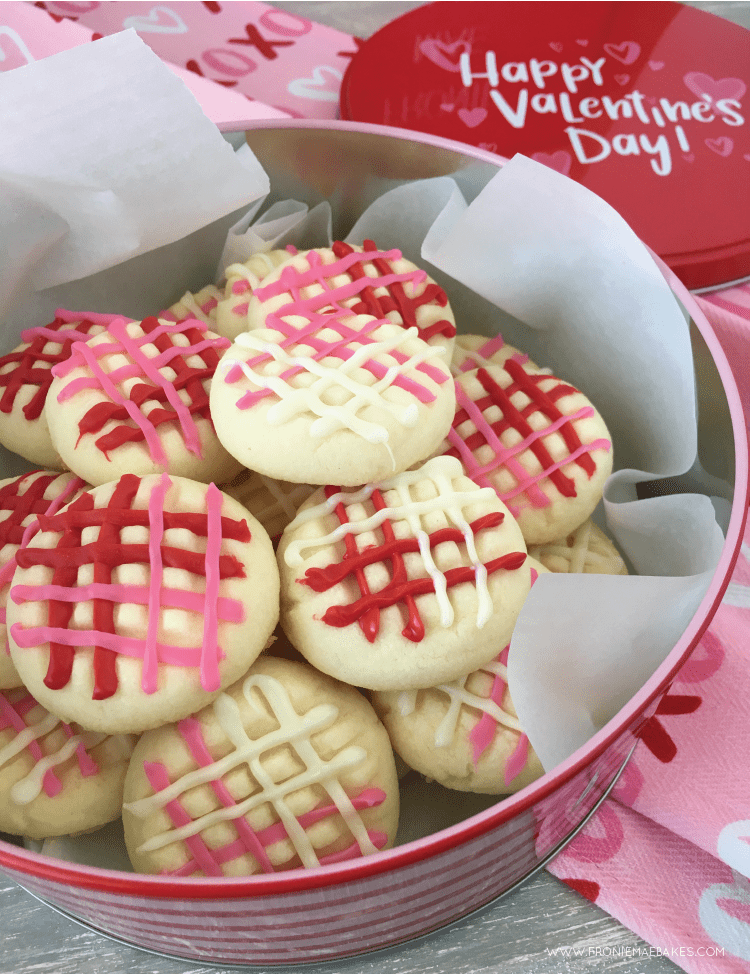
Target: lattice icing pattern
<point x="272" y="785"/>
<point x="272" y="502"/>
<point x="148" y="374"/>
<point x="241" y="281"/>
<point x="34" y="737"/>
<point x="510" y="433"/>
<point x="401" y="589"/>
<point x="199" y="306"/>
<point x="357" y="280"/>
<point x="92" y="547"/>
<point x="587" y="550"/>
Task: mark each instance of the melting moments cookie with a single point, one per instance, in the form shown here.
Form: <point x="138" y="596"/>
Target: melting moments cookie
<point x="241" y="281"/>
<point x="403" y="584"/>
<point x="587" y="550"/>
<point x="286" y="769"/>
<point x="343" y="399"/>
<point x="138" y="602"/>
<point x="135" y="399"/>
<point x="359" y="280"/>
<point x="536" y="440"/>
<point x="56" y="778"/>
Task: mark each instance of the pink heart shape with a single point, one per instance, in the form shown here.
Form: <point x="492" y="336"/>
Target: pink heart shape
<point x="560" y="160"/>
<point x="447" y="106"/>
<point x="626" y="52"/>
<point x="318" y="86"/>
<point x="443" y="54"/>
<point x="601" y="839"/>
<point x="159" y="20"/>
<point x="656" y="65"/>
<point x="582" y="43"/>
<point x="723" y="146"/>
<point x="13" y="50"/>
<point x="472" y="117"/>
<point x="688" y="156"/>
<point x="556" y="46"/>
<point x="706" y="87"/>
<point x="622" y="79"/>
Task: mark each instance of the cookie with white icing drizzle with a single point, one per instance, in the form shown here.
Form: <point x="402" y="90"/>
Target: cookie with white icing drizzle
<point x="56" y="778"/>
<point x="241" y="281"/>
<point x="138" y="602"/>
<point x="337" y="398"/>
<point x="406" y="583"/>
<point x="359" y="279"/>
<point x="586" y="550"/>
<point x="135" y="399"/>
<point x="272" y="502"/>
<point x="536" y="440"/>
<point x="287" y="769"/>
<point x="464" y="734"/>
<point x="199" y="305"/>
<point x="22" y="500"/>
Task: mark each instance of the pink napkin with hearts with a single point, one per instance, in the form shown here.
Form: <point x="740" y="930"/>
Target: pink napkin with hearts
<point x="668" y="853"/>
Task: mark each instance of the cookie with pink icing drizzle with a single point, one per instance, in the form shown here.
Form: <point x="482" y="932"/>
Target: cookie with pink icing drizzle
<point x="56" y="778"/>
<point x="26" y="376"/>
<point x="139" y="601"/>
<point x="199" y="305"/>
<point x="135" y="399"/>
<point x="464" y="734"/>
<point x="336" y="397"/>
<point x="359" y="280"/>
<point x="475" y="351"/>
<point x="536" y="440"/>
<point x="287" y="769"/>
<point x="22" y="500"/>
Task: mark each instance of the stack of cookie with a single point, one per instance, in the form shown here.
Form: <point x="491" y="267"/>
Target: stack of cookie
<point x="406" y="478"/>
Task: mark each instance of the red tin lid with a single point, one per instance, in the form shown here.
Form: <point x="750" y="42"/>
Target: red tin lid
<point x="644" y="103"/>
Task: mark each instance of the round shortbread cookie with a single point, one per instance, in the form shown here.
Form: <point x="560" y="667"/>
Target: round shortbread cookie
<point x="22" y="500"/>
<point x="342" y="399"/>
<point x="464" y="734"/>
<point x="288" y="769"/>
<point x="140" y="601"/>
<point x="477" y="351"/>
<point x="25" y="379"/>
<point x="242" y="280"/>
<point x="56" y="778"/>
<point x="587" y="550"/>
<point x="402" y="584"/>
<point x="361" y="280"/>
<point x="272" y="502"/>
<point x="199" y="305"/>
<point x="536" y="440"/>
<point x="135" y="399"/>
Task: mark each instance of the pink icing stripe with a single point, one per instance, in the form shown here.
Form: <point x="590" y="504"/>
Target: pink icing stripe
<point x="85" y="762"/>
<point x="14" y="718"/>
<point x="156" y="533"/>
<point x="190" y="729"/>
<point x="151" y="371"/>
<point x="522" y="487"/>
<point x="159" y="780"/>
<point x="124" y="645"/>
<point x="291" y="277"/>
<point x="516" y="763"/>
<point x="210" y="645"/>
<point x="8" y="569"/>
<point x="489" y="348"/>
<point x="83" y="352"/>
<point x="241" y="309"/>
<point x="93" y="316"/>
<point x="228" y="610"/>
<point x="482" y="734"/>
<point x="241" y="286"/>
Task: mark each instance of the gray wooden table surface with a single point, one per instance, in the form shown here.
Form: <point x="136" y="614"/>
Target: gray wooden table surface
<point x="542" y="928"/>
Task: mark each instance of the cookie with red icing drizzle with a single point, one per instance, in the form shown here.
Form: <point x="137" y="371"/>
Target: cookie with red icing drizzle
<point x="402" y="584"/>
<point x="22" y="500"/>
<point x="139" y="601"/>
<point x="287" y="769"/>
<point x="536" y="440"/>
<point x="135" y="399"/>
<point x="361" y="280"/>
<point x="56" y="778"/>
<point x="464" y="734"/>
<point x="26" y="376"/>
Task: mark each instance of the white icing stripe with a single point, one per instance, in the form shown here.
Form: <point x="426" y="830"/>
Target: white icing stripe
<point x="295" y="401"/>
<point x="294" y="731"/>
<point x="441" y="470"/>
<point x="589" y="552"/>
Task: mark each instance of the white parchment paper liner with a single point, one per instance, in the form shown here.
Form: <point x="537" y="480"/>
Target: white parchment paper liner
<point x="535" y="256"/>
